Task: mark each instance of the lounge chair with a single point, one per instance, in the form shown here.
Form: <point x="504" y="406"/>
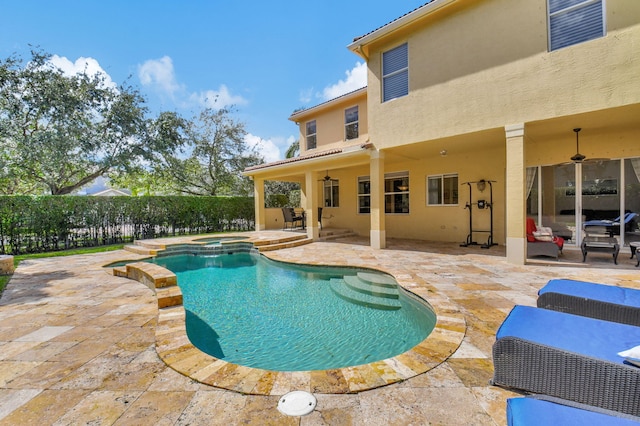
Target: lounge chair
<point x="605" y="302"/>
<point x="542" y="245"/>
<point x="290" y="218"/>
<point x="569" y="357"/>
<point x="544" y="410"/>
<point x="612" y="227"/>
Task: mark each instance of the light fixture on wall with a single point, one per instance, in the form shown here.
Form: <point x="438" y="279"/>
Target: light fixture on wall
<point x="443" y="153"/>
<point x="481" y="185"/>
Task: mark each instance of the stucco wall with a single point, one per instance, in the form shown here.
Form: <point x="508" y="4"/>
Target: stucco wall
<point x="485" y="64"/>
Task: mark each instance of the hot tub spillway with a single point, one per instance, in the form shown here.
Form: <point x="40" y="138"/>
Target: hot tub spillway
<point x="368" y="289"/>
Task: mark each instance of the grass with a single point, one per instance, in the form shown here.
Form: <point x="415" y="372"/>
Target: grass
<point x="4" y="279"/>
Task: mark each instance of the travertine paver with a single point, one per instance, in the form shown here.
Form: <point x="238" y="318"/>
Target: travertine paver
<point x="77" y="345"/>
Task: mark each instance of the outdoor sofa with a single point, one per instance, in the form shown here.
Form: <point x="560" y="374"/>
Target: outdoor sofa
<point x="605" y="302"/>
<point x="569" y="357"/>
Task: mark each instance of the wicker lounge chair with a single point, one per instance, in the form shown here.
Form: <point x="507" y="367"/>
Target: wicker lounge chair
<point x="569" y="357"/>
<point x="593" y="300"/>
<point x="544" y="410"/>
<point x="552" y="246"/>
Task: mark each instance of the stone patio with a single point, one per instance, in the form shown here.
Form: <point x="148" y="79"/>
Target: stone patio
<point x="78" y="345"/>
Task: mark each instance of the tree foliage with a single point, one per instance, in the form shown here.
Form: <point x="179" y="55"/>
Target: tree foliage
<point x="60" y="132"/>
<point x="218" y="155"/>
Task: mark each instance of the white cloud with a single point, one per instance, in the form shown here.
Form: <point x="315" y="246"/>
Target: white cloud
<point x="356" y="79"/>
<point x="82" y="65"/>
<point x="267" y="148"/>
<point x="159" y="73"/>
<point x="306" y="96"/>
<point x="217" y="99"/>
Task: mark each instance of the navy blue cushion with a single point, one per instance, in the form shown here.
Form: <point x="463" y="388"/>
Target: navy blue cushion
<point x="605" y="293"/>
<point x="573" y="333"/>
<point x="531" y="411"/>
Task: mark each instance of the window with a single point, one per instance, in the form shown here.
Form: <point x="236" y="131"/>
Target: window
<point x="396" y="192"/>
<point x="311" y="134"/>
<point x="574" y="21"/>
<point x="395" y="73"/>
<point x="351" y="123"/>
<point x="331" y="193"/>
<point x="364" y="194"/>
<point x="442" y="190"/>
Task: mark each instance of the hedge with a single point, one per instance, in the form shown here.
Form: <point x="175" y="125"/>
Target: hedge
<point x="48" y="223"/>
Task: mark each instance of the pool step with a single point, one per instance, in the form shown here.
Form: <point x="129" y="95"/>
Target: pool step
<point x="376" y="301"/>
<point x="373" y="289"/>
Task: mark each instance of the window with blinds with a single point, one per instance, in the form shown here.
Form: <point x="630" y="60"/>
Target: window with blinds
<point x="395" y="73"/>
<point x="574" y="21"/>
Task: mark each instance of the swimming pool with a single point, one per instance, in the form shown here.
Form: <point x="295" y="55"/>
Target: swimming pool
<point x="248" y="310"/>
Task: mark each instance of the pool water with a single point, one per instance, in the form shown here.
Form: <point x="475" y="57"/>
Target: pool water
<point x="248" y="310"/>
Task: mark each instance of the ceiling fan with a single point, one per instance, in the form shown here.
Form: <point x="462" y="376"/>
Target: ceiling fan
<point x="326" y="177"/>
<point x="580" y="158"/>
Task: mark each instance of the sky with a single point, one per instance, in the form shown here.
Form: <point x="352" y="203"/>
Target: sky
<point x="266" y="59"/>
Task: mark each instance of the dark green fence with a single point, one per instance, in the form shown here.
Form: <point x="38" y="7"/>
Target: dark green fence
<point x="48" y="223"/>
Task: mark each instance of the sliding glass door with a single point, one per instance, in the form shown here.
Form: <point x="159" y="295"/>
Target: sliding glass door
<point x="567" y="197"/>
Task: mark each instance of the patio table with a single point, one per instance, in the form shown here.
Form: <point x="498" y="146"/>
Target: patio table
<point x="600" y="244"/>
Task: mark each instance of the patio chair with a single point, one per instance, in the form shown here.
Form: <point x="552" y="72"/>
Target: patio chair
<point x="290" y="218"/>
<point x="613" y="226"/>
<point x="542" y="244"/>
<point x="605" y="302"/>
<point x="569" y="357"/>
<point x="544" y="410"/>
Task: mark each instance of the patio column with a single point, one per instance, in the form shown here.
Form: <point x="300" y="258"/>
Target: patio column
<point x="515" y="199"/>
<point x="310" y="204"/>
<point x="258" y="197"/>
<point x="377" y="234"/>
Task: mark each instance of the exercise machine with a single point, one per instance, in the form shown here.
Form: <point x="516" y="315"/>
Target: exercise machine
<point x="481" y="205"/>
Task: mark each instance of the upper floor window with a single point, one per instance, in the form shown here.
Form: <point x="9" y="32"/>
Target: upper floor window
<point x="331" y="193"/>
<point x="351" y="123"/>
<point x="364" y="194"/>
<point x="396" y="192"/>
<point x="395" y="73"/>
<point x="442" y="190"/>
<point x="311" y="134"/>
<point x="574" y="21"/>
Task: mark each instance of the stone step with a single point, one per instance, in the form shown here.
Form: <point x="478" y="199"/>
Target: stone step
<point x="288" y="244"/>
<point x="150" y="244"/>
<point x="342" y="290"/>
<point x="333" y="234"/>
<point x="281" y="240"/>
<point x="366" y="287"/>
<point x="140" y="250"/>
<point x="169" y="296"/>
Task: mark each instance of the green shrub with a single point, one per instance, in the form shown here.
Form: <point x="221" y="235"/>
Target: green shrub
<point x="48" y="223"/>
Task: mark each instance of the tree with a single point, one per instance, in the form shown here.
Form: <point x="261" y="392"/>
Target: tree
<point x="60" y="132"/>
<point x="293" y="150"/>
<point x="219" y="154"/>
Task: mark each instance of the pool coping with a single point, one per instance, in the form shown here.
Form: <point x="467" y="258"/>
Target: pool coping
<point x="175" y="349"/>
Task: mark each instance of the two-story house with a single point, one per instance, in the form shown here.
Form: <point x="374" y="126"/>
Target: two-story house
<point x="469" y="123"/>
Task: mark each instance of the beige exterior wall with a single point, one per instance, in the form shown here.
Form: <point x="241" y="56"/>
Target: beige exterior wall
<point x="485" y="64"/>
<point x="330" y="123"/>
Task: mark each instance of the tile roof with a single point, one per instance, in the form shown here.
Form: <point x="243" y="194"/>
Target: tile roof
<point x="388" y="23"/>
